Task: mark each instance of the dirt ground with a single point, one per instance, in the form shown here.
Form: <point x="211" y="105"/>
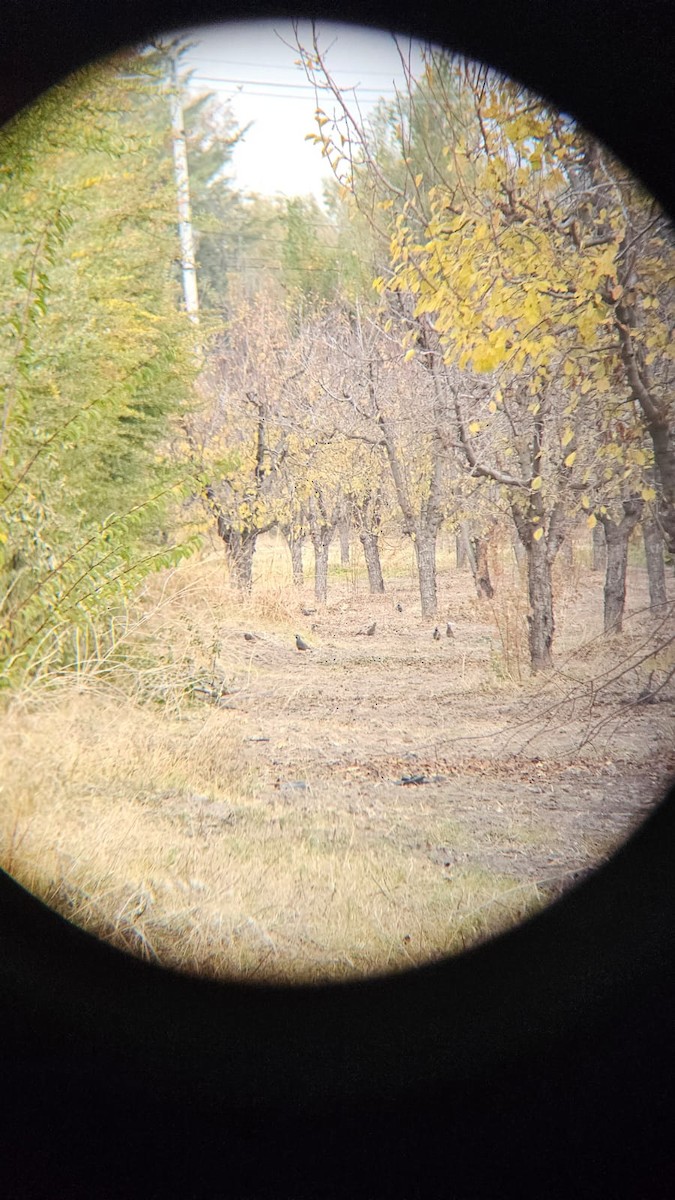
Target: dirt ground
<point x="416" y="737"/>
<point x="217" y="800"/>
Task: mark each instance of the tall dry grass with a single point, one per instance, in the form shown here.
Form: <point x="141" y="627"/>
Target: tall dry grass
<point x="130" y="803"/>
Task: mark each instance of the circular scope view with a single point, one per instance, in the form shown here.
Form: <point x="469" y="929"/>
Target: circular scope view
<point x="337" y="485"/>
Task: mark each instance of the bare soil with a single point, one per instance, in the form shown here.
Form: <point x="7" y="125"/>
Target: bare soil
<point x="426" y="747"/>
<point x="217" y="800"/>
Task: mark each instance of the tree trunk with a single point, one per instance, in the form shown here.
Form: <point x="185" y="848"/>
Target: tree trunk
<point x="371" y="553"/>
<point x="344" y="531"/>
<point x="520" y="553"/>
<point x="460" y="551"/>
<point x="599" y="548"/>
<point x="425" y="553"/>
<point x="664" y="459"/>
<point x="239" y="550"/>
<point x="321" y="548"/>
<point x="477" y="553"/>
<point x="617" y="535"/>
<point x="294" y="543"/>
<point x="541" y="624"/>
<point x="481" y="575"/>
<point x="656" y="570"/>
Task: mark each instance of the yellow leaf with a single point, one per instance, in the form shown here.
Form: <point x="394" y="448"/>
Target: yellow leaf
<point x="567" y="437"/>
<point x="492" y="407"/>
<point x="418" y="180"/>
<point x="585" y="502"/>
<point x="407" y="357"/>
<point x="592" y="521"/>
<point x="648" y="493"/>
<point x="538" y="534"/>
<point x="570" y="458"/>
<point x="536" y="483"/>
<point x="474" y="427"/>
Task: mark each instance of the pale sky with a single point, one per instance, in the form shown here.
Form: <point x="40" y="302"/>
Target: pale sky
<point x="248" y="64"/>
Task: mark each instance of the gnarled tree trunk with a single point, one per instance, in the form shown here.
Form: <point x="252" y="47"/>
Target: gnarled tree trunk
<point x="294" y="541"/>
<point x="344" y="531"/>
<point x="540" y="618"/>
<point x="460" y="551"/>
<point x="371" y="553"/>
<point x="367" y="512"/>
<point x="541" y="553"/>
<point x="519" y="551"/>
<point x="598" y="548"/>
<point x="321" y="548"/>
<point x="239" y="551"/>
<point x="477" y="554"/>
<point x="321" y="529"/>
<point x="617" y="535"/>
<point x="481" y="577"/>
<point x="425" y="553"/>
<point x="656" y="569"/>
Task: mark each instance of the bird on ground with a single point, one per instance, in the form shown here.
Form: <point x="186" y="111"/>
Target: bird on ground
<point x="307" y="612"/>
<point x="250" y="637"/>
<point x="301" y="645"/>
<point x="399" y="607"/>
<point x="437" y="634"/>
<point x="448" y="630"/>
<point x="371" y="629"/>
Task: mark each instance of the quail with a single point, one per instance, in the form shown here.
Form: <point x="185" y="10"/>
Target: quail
<point x="300" y="644"/>
<point x="448" y="630"/>
<point x="371" y="629"/>
<point x="437" y="634"/>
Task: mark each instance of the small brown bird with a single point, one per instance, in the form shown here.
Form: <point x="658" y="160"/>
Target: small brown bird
<point x="448" y="630"/>
<point x="371" y="629"/>
<point x="437" y="634"/>
<point x="301" y="645"/>
<point x="250" y="637"/>
<point x="307" y="612"/>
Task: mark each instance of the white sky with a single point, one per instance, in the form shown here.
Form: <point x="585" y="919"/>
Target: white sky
<point x="248" y="64"/>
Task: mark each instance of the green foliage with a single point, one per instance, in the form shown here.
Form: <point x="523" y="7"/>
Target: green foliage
<point x="95" y="359"/>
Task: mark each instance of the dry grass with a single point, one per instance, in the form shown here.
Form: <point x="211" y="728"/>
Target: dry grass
<point x="138" y="799"/>
<point x="146" y="829"/>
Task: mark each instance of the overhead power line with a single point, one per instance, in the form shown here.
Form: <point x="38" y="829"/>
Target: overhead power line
<point x="230" y="62"/>
<point x="307" y="88"/>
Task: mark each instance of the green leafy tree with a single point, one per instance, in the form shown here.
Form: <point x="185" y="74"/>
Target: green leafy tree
<point x="95" y="360"/>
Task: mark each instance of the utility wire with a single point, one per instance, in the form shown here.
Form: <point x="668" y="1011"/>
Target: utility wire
<point x="305" y="87"/>
<point x="230" y="62"/>
<point x="304" y="91"/>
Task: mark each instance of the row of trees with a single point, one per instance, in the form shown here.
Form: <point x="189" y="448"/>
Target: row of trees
<point x="511" y="365"/>
<point x="514" y="362"/>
